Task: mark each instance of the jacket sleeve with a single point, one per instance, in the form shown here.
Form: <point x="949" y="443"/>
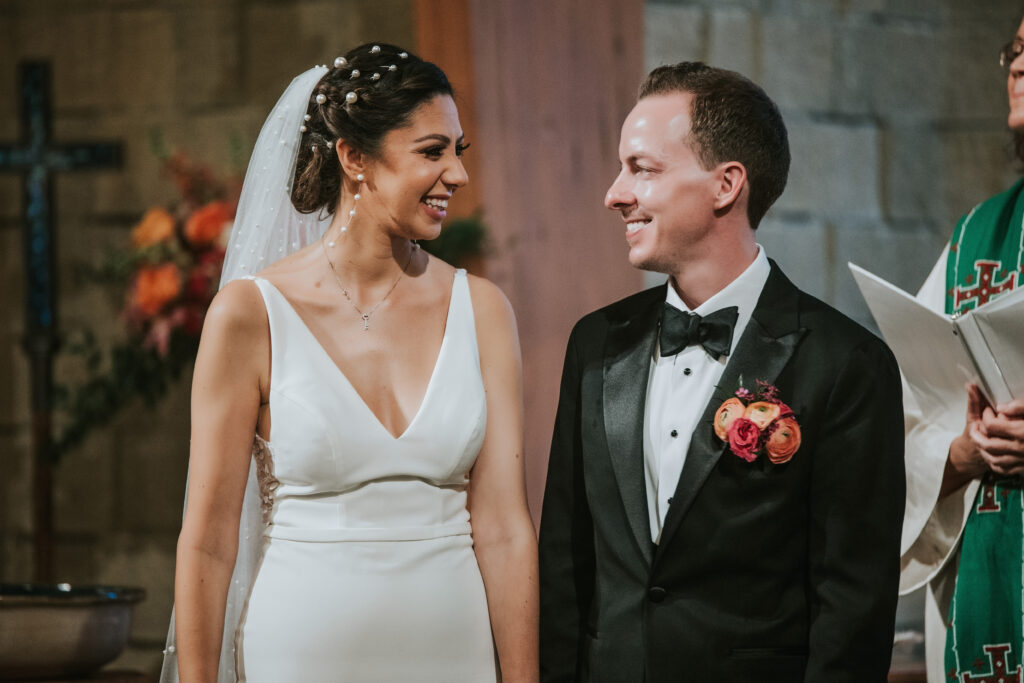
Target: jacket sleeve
<point x="856" y="499"/>
<point x="566" y="539"/>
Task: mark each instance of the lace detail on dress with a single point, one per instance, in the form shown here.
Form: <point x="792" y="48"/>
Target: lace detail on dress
<point x="268" y="483"/>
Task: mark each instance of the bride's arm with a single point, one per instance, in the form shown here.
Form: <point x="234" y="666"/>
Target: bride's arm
<point x="226" y="393"/>
<point x="503" y="534"/>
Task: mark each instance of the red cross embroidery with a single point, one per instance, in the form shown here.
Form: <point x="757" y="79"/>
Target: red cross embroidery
<point x="997" y="664"/>
<point x="988" y="502"/>
<point x="987" y="286"/>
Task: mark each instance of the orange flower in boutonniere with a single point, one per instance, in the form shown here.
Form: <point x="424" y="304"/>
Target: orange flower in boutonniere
<point x="782" y="443"/>
<point x="758" y="423"/>
<point x="726" y="415"/>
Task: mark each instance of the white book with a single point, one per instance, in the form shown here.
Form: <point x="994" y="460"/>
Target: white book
<point x="938" y="353"/>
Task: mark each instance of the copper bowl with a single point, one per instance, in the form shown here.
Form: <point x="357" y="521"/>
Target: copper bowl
<point x="61" y="630"/>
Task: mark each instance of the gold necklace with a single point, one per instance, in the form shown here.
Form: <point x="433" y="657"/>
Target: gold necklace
<point x="344" y="290"/>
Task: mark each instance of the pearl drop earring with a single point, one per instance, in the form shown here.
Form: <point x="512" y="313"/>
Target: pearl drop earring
<point x="352" y="213"/>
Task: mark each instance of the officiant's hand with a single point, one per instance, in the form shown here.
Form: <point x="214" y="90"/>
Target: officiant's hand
<point x="999" y="436"/>
<point x="966" y="460"/>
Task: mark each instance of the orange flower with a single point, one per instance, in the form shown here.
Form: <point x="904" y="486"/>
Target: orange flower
<point x="207" y="223"/>
<point x="155" y="286"/>
<point x="727" y="413"/>
<point x="157" y="225"/>
<point x="762" y="413"/>
<point x="783" y="441"/>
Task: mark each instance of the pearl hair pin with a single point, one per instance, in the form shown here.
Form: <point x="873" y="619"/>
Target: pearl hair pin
<point x="340" y="62"/>
<point x="375" y="77"/>
<point x="375" y="50"/>
<point x="306" y="117"/>
<point x="403" y="55"/>
<point x="321" y="98"/>
<point x="351" y="97"/>
<point x="355" y="73"/>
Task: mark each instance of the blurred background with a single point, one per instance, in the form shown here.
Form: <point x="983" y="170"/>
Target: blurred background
<point x="896" y="114"/>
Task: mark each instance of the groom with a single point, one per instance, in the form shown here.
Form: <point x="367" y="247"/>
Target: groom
<point x="725" y="490"/>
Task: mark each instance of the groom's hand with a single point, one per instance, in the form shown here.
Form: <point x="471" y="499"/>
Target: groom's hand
<point x="999" y="436"/>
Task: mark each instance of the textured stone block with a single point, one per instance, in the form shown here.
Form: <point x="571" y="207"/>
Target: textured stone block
<point x="274" y="30"/>
<point x="904" y="258"/>
<point x="978" y="164"/>
<point x="733" y="41"/>
<point x="1006" y="11"/>
<point x="83" y="483"/>
<point x="802" y="249"/>
<point x="852" y="6"/>
<point x="797" y="67"/>
<point x="152" y="461"/>
<point x="744" y="4"/>
<point x="14" y="377"/>
<point x="16" y="486"/>
<point x="143" y="70"/>
<point x="883" y="71"/>
<point x="975" y="83"/>
<point x="822" y="9"/>
<point x="913" y="177"/>
<point x="834" y="169"/>
<point x="674" y="34"/>
<point x="15" y="557"/>
<point x="208" y="55"/>
<point x="80" y="72"/>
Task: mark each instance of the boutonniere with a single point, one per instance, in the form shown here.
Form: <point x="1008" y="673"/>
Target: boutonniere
<point x="755" y="423"/>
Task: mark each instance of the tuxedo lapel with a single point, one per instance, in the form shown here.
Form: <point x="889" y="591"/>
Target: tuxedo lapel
<point x="627" y="365"/>
<point x="763" y="350"/>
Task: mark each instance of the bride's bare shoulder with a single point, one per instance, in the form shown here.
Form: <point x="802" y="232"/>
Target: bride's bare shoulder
<point x="237" y="308"/>
<point x="491" y="309"/>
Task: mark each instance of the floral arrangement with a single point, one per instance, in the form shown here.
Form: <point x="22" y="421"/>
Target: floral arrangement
<point x="756" y="423"/>
<point x="167" y="278"/>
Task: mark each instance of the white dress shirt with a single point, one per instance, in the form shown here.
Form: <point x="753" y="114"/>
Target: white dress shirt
<point x="680" y="387"/>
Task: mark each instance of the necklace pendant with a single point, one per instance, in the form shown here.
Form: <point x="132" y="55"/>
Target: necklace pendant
<point x="366" y="322"/>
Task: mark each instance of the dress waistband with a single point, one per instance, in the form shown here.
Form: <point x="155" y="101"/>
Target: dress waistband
<point x="325" y="535"/>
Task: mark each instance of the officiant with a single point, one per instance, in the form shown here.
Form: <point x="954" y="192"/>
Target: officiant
<point x="962" y="534"/>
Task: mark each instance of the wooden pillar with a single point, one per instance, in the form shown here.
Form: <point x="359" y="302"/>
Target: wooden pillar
<point x="443" y="36"/>
<point x="552" y="82"/>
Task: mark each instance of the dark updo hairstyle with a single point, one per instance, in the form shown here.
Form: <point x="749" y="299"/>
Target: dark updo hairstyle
<point x="388" y="84"/>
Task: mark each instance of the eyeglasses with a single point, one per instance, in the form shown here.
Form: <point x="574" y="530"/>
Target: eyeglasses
<point x="1010" y="52"/>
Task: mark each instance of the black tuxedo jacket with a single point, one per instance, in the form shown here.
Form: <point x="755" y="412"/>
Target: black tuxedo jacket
<point x="763" y="572"/>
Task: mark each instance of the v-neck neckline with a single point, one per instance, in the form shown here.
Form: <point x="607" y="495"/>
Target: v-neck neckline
<point x="348" y="383"/>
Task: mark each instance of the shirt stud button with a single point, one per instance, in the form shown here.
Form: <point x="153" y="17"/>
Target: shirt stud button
<point x="674" y="433"/>
<point x="687" y="371"/>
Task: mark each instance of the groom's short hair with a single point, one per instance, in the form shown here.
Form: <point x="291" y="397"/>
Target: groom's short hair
<point x="732" y="119"/>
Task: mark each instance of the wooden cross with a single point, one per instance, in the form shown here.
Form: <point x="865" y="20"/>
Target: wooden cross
<point x="37" y="157"/>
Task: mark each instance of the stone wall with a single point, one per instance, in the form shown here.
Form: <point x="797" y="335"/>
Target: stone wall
<point x="200" y="75"/>
<point x="896" y="111"/>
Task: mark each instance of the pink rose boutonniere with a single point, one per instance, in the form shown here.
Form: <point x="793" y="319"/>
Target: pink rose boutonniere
<point x="755" y="423"/>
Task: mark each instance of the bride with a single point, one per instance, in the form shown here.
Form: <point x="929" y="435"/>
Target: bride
<point x="356" y="508"/>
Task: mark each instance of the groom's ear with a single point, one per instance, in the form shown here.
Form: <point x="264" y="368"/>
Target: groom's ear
<point x="732" y="178"/>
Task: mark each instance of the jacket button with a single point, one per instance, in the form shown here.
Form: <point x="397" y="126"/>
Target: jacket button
<point x="657" y="594"/>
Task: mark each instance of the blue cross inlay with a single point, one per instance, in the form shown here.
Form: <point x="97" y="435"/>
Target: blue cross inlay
<point x="37" y="157"/>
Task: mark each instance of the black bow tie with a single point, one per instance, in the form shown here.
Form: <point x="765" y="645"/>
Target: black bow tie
<point x="713" y="331"/>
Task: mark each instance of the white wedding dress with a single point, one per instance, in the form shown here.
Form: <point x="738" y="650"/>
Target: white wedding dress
<point x="368" y="571"/>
